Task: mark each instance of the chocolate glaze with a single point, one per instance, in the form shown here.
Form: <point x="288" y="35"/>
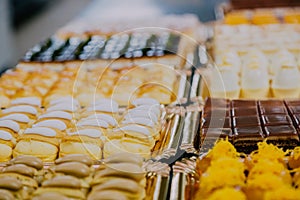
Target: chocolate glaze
<point x="246" y="121"/>
<point x="275" y="120"/>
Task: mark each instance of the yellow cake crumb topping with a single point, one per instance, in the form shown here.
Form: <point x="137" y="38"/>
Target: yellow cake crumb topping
<point x="283" y="193"/>
<point x="268" y="151"/>
<point x="223" y="148"/>
<point x="227" y="193"/>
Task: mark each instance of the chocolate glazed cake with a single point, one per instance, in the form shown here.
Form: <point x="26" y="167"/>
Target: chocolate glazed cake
<point x="246" y="122"/>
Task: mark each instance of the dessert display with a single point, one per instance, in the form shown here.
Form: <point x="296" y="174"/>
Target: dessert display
<point x="246" y="122"/>
<point x="77" y="176"/>
<point x="263" y="64"/>
<point x="62" y="127"/>
<point x="265" y="173"/>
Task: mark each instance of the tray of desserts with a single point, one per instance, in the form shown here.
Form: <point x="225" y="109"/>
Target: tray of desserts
<point x="264" y="64"/>
<point x="77" y="176"/>
<point x="63" y="127"/>
<point x="88" y="83"/>
<point x="246" y="122"/>
<point x="267" y="173"/>
<point x="130" y="48"/>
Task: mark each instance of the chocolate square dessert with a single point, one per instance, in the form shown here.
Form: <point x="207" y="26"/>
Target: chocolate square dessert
<point x="217" y="103"/>
<point x="245" y="121"/>
<point x="285" y="136"/>
<point x="271" y="103"/>
<point x="275" y="120"/>
<point x="273" y="110"/>
<point x="216" y="122"/>
<point x="245" y="139"/>
<point x="216" y="112"/>
<point x="243" y="103"/>
<point x="244" y="111"/>
<point x="210" y="135"/>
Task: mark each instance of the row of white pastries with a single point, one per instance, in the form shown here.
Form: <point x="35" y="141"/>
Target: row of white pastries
<point x="62" y="128"/>
<point x="257" y="62"/>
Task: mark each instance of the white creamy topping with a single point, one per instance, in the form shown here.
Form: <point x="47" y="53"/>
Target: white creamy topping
<point x="141" y="113"/>
<point x="106" y="102"/>
<point x="56" y="114"/>
<point x="51" y="123"/>
<point x="107" y="118"/>
<point x="17" y="117"/>
<point x="4" y="135"/>
<point x="144" y="101"/>
<point x="287" y="77"/>
<point x="21" y="109"/>
<point x="35" y="101"/>
<point x="10" y="124"/>
<point x="88" y="132"/>
<point x="93" y="122"/>
<point x="43" y="131"/>
<point x="62" y="107"/>
<point x="139" y="120"/>
<point x="104" y="108"/>
<point x="134" y="128"/>
<point x="255" y="78"/>
<point x="155" y="109"/>
<point x="68" y="100"/>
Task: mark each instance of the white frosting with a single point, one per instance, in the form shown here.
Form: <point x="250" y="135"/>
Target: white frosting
<point x="35" y="101"/>
<point x="62" y="107"/>
<point x="17" y="117"/>
<point x="4" y="135"/>
<point x="88" y="132"/>
<point x="134" y="128"/>
<point x="68" y="99"/>
<point x="43" y="131"/>
<point x="227" y="80"/>
<point x="139" y="120"/>
<point x="287" y="77"/>
<point x="107" y="118"/>
<point x="93" y="122"/>
<point x="141" y="113"/>
<point x="10" y="124"/>
<point x="21" y="109"/>
<point x="144" y="101"/>
<point x="56" y="114"/>
<point x="104" y="108"/>
<point x="155" y="109"/>
<point x="51" y="123"/>
<point x="255" y="78"/>
<point x="105" y="101"/>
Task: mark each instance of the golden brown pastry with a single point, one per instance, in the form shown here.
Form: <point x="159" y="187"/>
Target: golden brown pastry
<point x="11" y="186"/>
<point x="82" y="141"/>
<point x="31" y="111"/>
<point x="63" y="116"/>
<point x="7" y="143"/>
<point x="82" y="158"/>
<point x="65" y="185"/>
<point x="41" y="142"/>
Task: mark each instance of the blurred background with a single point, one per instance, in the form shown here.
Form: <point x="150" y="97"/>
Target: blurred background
<point x="24" y="23"/>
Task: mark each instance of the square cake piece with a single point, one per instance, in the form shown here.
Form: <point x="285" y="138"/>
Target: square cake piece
<point x="246" y="121"/>
<point x="275" y="120"/>
<point x="285" y="136"/>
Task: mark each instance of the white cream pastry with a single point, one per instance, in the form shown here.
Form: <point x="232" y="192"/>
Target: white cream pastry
<point x="41" y="142"/>
<point x="6" y="145"/>
<point x="10" y="126"/>
<point x="51" y="123"/>
<point x="93" y="122"/>
<point x="83" y="141"/>
<point x="224" y="84"/>
<point x="104" y="117"/>
<point x="27" y="109"/>
<point x="286" y="83"/>
<point x="62" y="107"/>
<point x="33" y="101"/>
<point x="255" y="83"/>
<point x="144" y="101"/>
<point x="68" y="100"/>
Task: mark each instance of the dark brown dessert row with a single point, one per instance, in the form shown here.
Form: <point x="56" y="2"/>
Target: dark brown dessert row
<point x="246" y="122"/>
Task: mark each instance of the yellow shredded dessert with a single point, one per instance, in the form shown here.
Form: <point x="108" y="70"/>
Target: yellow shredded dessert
<point x="283" y="193"/>
<point x="294" y="159"/>
<point x="268" y="151"/>
<point x="227" y="194"/>
<point x="274" y="167"/>
<point x="223" y="148"/>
